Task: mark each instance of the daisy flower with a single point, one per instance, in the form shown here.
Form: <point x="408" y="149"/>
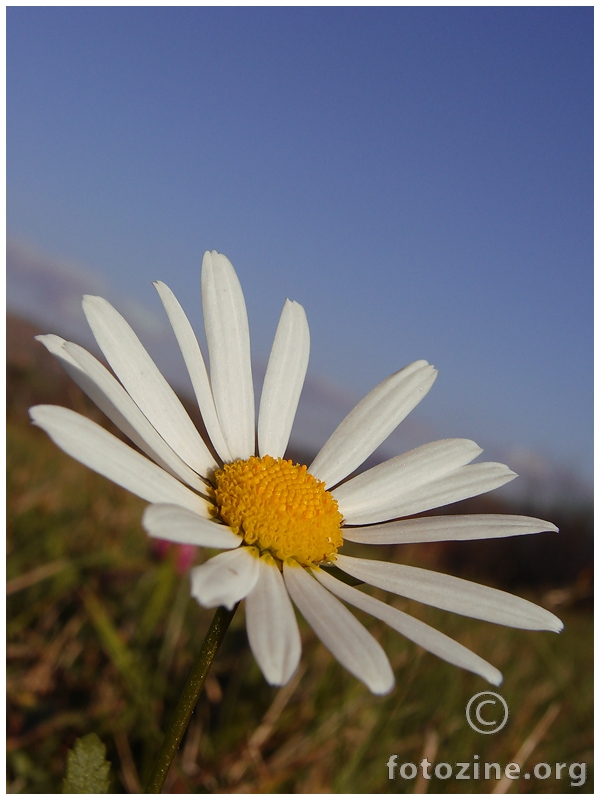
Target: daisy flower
<point x="281" y="525"/>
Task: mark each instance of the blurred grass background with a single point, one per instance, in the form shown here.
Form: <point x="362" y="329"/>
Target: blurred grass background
<point x="102" y="633"/>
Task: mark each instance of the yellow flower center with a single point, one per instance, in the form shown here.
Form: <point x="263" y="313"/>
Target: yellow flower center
<point x="279" y="507"/>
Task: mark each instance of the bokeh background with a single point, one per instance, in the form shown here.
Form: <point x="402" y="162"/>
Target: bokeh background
<point x="421" y="180"/>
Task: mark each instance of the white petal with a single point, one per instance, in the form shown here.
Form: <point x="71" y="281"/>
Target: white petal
<point x="177" y="524"/>
<point x="226" y="578"/>
<point x="451" y="527"/>
<point x="382" y="485"/>
<point x="228" y="340"/>
<point x="271" y="624"/>
<point x="111" y="398"/>
<point x="284" y="379"/>
<point x="107" y="398"/>
<point x="424" y="635"/>
<point x="54" y="344"/>
<point x="194" y="361"/>
<point x="101" y="451"/>
<point x="339" y="630"/>
<point x="464" y="482"/>
<point x="372" y="421"/>
<point x="451" y="594"/>
<point x="133" y="422"/>
<point x="146" y="385"/>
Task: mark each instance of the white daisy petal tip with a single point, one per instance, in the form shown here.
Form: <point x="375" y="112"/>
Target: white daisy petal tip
<point x="225" y="579"/>
<point x="89" y="300"/>
<point x="496" y="678"/>
<point x="271" y="625"/>
<point x="58" y="347"/>
<point x="207" y="258"/>
<point x="555" y="624"/>
<point x="383" y="686"/>
<point x="34" y="415"/>
<point x="212" y="260"/>
<point x="49" y="340"/>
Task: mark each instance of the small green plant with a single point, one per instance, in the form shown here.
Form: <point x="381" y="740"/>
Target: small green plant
<point x="88" y="771"/>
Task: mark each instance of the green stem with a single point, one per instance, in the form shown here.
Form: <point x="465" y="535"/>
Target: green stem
<point x="189" y="698"/>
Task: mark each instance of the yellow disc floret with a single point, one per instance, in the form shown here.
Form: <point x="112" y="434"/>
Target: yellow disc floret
<point x="279" y="507"/>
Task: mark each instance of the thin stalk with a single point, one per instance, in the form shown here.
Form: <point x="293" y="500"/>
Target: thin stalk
<point x="189" y="698"/>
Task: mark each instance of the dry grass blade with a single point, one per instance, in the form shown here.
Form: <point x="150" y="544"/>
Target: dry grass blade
<point x="129" y="773"/>
<point x="36" y="575"/>
<point x="528" y="746"/>
<point x="430" y="748"/>
<point x="266" y="727"/>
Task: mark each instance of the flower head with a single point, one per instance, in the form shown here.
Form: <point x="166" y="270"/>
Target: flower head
<point x="279" y="524"/>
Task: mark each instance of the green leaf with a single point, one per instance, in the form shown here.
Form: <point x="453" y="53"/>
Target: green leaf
<point x="87" y="767"/>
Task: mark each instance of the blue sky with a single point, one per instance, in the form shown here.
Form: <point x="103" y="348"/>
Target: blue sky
<point x="420" y="179"/>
